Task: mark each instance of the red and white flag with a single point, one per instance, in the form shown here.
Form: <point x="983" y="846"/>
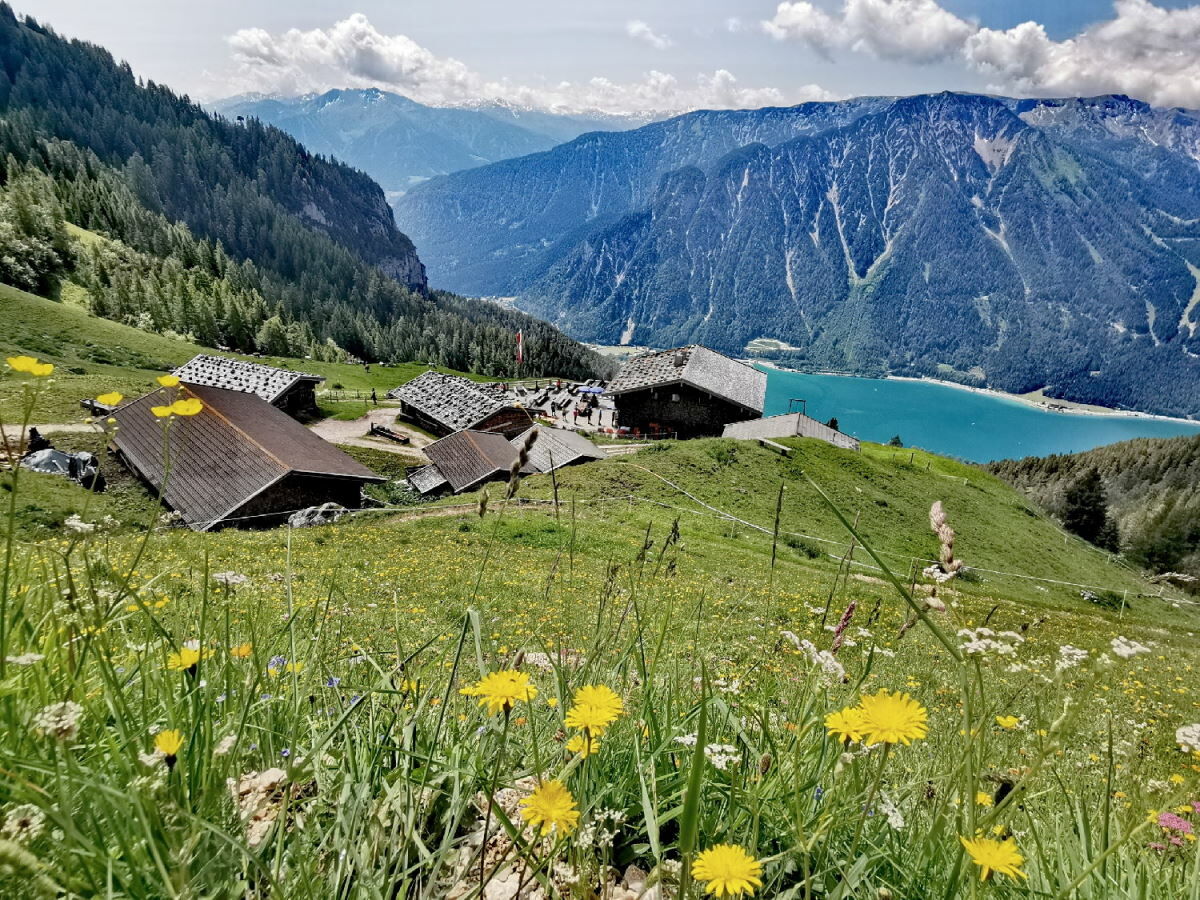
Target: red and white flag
<point x="520" y="348"/>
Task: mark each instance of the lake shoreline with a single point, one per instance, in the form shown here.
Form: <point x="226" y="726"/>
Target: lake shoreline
<point x="1068" y="407"/>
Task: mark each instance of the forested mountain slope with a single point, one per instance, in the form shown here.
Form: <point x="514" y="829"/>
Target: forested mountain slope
<point x="1152" y="488"/>
<point x="1021" y="244"/>
<point x="234" y="236"/>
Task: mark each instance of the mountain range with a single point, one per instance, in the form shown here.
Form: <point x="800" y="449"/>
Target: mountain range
<point x="1021" y="244"/>
<point x="400" y="142"/>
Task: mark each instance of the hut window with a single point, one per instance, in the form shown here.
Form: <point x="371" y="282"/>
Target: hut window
<point x="674" y="398"/>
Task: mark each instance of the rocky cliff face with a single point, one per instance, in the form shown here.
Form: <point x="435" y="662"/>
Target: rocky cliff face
<point x="1042" y="243"/>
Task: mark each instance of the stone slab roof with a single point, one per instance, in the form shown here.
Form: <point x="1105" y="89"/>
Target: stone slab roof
<point x="237" y="375"/>
<point x="457" y="402"/>
<point x="698" y="366"/>
<point x="557" y="447"/>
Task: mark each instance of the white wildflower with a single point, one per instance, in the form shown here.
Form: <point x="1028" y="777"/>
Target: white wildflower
<point x="1188" y="738"/>
<point x="1069" y="657"/>
<point x="722" y="755"/>
<point x="25" y="659"/>
<point x="1126" y="648"/>
<point x="891" y="812"/>
<point x="77" y="525"/>
<point x="225" y="745"/>
<point x="23" y="823"/>
<point x="687" y="740"/>
<point x="986" y="642"/>
<point x="59" y="720"/>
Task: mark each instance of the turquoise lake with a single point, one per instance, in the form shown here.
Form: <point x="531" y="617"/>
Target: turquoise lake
<point x="952" y="421"/>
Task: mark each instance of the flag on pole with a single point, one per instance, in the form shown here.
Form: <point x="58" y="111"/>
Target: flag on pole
<point x="520" y="348"/>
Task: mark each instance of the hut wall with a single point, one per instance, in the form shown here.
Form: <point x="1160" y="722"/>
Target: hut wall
<point x="694" y="414"/>
<point x="296" y="491"/>
<point x="299" y="401"/>
<point x="508" y="421"/>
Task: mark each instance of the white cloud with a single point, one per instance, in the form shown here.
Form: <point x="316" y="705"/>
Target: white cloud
<point x="640" y="31"/>
<point x="1144" y="50"/>
<point x="917" y="31"/>
<point x="353" y="53"/>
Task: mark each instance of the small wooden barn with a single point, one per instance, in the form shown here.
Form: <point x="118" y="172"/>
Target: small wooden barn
<point x="293" y="392"/>
<point x="689" y="392"/>
<point x="557" y="447"/>
<point x="465" y="460"/>
<point x="239" y="461"/>
<point x="444" y="404"/>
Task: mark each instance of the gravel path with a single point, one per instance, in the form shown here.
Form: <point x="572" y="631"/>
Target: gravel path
<point x="355" y="432"/>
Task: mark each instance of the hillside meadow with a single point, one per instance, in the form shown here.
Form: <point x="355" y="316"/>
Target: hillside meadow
<point x="94" y="355"/>
<point x="664" y="696"/>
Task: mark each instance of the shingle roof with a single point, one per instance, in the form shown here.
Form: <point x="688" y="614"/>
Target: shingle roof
<point x="467" y="458"/>
<point x="236" y="447"/>
<point x="236" y="375"/>
<point x="456" y="402"/>
<point x="557" y="444"/>
<point x="427" y="478"/>
<point x="698" y="366"/>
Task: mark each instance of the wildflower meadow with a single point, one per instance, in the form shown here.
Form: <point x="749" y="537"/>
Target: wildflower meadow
<point x="563" y="701"/>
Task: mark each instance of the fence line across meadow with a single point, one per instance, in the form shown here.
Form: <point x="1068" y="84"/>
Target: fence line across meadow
<point x="709" y="511"/>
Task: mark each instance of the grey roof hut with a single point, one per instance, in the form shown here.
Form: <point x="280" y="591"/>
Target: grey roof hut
<point x="239" y="461"/>
<point x="444" y="404"/>
<point x="689" y="392"/>
<point x="465" y="460"/>
<point x="557" y="447"/>
<point x="293" y="392"/>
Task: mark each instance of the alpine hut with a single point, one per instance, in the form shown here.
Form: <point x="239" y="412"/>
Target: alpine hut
<point x="465" y="460"/>
<point x="444" y="404"/>
<point x="293" y="392"/>
<point x="688" y="392"/>
<point x="240" y="460"/>
<point x="557" y="447"/>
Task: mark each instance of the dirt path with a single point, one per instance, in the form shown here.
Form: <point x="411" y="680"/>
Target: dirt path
<point x="355" y="432"/>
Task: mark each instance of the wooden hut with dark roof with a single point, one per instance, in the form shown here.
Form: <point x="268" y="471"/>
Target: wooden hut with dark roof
<point x="690" y="392"/>
<point x="443" y="404"/>
<point x="465" y="460"/>
<point x="240" y="460"/>
<point x="293" y="392"/>
<point x="557" y="447"/>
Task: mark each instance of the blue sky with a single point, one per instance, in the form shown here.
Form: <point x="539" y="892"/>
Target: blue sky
<point x="650" y="56"/>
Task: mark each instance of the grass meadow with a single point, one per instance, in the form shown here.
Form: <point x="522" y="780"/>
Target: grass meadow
<point x="666" y="695"/>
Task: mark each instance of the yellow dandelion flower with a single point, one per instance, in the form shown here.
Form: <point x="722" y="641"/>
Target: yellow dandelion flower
<point x="168" y="742"/>
<point x="189" y="407"/>
<point x="498" y="691"/>
<point x="583" y="745"/>
<point x="995" y="856"/>
<point x="845" y="724"/>
<point x="551" y="806"/>
<point x="112" y="398"/>
<point x="596" y="707"/>
<point x="983" y="798"/>
<point x="168" y="380"/>
<point x="241" y="651"/>
<point x="552" y="702"/>
<point x="23" y="364"/>
<point x="185" y="660"/>
<point x="29" y="365"/>
<point x="1008" y="723"/>
<point x="727" y="870"/>
<point x="892" y="718"/>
